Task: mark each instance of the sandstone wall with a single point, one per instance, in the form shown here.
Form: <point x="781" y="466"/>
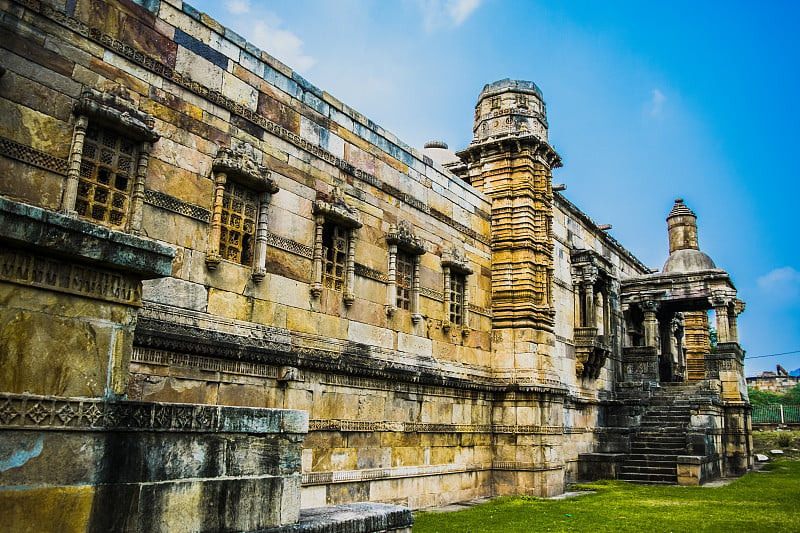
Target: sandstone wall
<point x="404" y="405"/>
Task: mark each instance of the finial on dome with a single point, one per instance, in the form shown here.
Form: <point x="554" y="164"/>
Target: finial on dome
<point x="436" y="144"/>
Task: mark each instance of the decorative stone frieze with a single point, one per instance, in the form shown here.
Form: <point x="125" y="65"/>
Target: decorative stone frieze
<point x="34" y="157"/>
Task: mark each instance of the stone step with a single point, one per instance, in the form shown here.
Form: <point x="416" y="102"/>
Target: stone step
<point x="668" y="412"/>
<point x="675" y="435"/>
<point x="651" y="458"/>
<point x="644" y="450"/>
<point x="650" y="432"/>
<point x="647" y="471"/>
<point x="662" y="479"/>
<point x="653" y="420"/>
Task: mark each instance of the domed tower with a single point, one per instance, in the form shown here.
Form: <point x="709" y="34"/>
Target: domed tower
<point x="684" y="252"/>
<point x="510" y="160"/>
<point x="510" y="108"/>
<point x="685" y="257"/>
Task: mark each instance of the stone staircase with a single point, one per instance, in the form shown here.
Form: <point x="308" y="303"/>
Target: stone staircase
<point x="661" y="437"/>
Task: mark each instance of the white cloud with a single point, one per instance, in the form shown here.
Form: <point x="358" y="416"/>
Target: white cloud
<point x="238" y="7"/>
<point x="437" y="14"/>
<point x="283" y="44"/>
<point x="656" y="104"/>
<point x="460" y="10"/>
<point x="782" y="283"/>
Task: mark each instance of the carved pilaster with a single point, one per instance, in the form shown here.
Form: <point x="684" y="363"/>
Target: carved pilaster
<point x="212" y="255"/>
<point x="75" y="155"/>
<point x="260" y="248"/>
<point x="137" y="193"/>
<point x="316" y="285"/>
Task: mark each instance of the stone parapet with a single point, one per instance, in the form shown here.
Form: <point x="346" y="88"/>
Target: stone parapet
<point x="88" y="464"/>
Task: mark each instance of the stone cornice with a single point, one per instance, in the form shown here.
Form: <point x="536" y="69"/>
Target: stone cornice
<point x="32" y="227"/>
<point x="514" y="144"/>
<point x="191" y="332"/>
<point x="237" y="165"/>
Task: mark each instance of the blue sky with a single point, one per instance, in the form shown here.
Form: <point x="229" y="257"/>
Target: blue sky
<point x="647" y="101"/>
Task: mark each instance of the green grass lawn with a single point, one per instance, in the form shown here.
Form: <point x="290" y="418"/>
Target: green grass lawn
<point x="760" y="501"/>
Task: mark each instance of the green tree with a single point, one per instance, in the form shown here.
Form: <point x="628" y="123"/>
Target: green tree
<point x="763" y="397"/>
<point x="792" y="396"/>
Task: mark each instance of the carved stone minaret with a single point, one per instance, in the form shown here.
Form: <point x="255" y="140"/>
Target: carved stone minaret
<point x="510" y="160"/>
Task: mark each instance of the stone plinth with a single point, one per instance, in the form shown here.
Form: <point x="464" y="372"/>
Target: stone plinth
<point x="594" y="466"/>
<point x="697" y="469"/>
<point x="73" y="464"/>
<point x="640" y="363"/>
<point x="352" y="518"/>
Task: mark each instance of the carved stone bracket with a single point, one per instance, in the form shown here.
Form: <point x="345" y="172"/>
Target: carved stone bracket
<point x="241" y="166"/>
<point x="114" y="109"/>
<point x="403" y="236"/>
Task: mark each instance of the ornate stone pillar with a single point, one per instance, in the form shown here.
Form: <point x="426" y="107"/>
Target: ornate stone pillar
<point x="212" y="255"/>
<point x="416" y="316"/>
<point x="588" y="302"/>
<point x="391" y="278"/>
<point x="73" y="174"/>
<point x="650" y="308"/>
<point x="447" y="295"/>
<point x="137" y="193"/>
<point x="260" y="249"/>
<point x="721" y="305"/>
<point x="350" y="277"/>
<point x="316" y="284"/>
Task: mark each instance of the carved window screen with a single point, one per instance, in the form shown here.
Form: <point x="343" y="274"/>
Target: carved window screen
<point x="334" y="256"/>
<point x="107" y="173"/>
<point x="404" y="280"/>
<point x="238" y="223"/>
<point x="457" y="283"/>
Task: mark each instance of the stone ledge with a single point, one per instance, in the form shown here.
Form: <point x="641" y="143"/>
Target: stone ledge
<point x="34" y="227"/>
<point x="351" y="518"/>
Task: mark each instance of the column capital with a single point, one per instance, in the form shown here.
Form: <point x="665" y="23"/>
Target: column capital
<point x="650" y="306"/>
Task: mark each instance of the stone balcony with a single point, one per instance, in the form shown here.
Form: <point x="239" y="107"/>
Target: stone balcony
<point x="591" y="352"/>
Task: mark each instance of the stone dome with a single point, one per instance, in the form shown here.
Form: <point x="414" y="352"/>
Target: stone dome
<point x="440" y="153"/>
<point x="688" y="260"/>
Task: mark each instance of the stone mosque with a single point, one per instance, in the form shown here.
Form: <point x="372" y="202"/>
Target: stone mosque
<point x="230" y="301"/>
